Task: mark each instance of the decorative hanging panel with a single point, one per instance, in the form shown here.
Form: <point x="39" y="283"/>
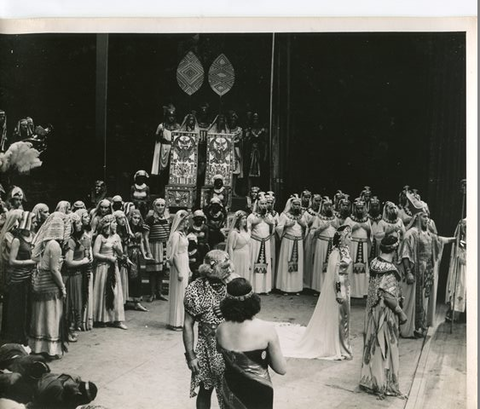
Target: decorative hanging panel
<point x="220" y="157"/>
<point x="184" y="158"/>
<point x="221" y="75"/>
<point x="190" y="74"/>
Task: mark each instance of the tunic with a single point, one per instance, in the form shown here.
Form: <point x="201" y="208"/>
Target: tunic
<point x="47" y="308"/>
<point x="290" y="259"/>
<point x="421" y="248"/>
<point x="19" y="308"/>
<point x="359" y="251"/>
<point x="202" y="302"/>
<point x="260" y="254"/>
<point x="74" y="279"/>
<point x="326" y="228"/>
<point x="108" y="293"/>
<point x="159" y="230"/>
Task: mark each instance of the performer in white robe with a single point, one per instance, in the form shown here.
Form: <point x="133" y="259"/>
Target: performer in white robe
<point x="456" y="293"/>
<point x="291" y="229"/>
<point x="274" y="242"/>
<point x="359" y="249"/>
<point x="325" y="226"/>
<point x="163" y="141"/>
<point x="311" y="216"/>
<point x="261" y="225"/>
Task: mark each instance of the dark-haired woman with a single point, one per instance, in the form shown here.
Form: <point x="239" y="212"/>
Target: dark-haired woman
<point x="327" y="335"/>
<point x="22" y="267"/>
<point x="249" y="346"/>
<point x="177" y="256"/>
<point x="137" y="254"/>
<point x="77" y="262"/>
<point x="380" y="363"/>
<point x="238" y="244"/>
<point x="7" y="235"/>
<point x="87" y="312"/>
<point x="108" y="293"/>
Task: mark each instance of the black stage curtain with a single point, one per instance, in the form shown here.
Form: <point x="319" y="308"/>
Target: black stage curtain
<point x="349" y="109"/>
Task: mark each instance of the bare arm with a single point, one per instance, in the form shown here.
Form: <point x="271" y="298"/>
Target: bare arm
<point x="146" y="237"/>
<point x="188" y="343"/>
<point x="55" y="254"/>
<point x="446" y="240"/>
<point x="71" y="263"/>
<point x="94" y="224"/>
<point x="14" y="253"/>
<point x="117" y="245"/>
<point x="231" y="241"/>
<point x="277" y="360"/>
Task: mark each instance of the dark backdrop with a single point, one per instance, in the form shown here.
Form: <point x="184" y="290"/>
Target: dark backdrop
<point x="377" y="109"/>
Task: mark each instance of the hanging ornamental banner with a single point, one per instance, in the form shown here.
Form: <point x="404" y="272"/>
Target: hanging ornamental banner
<point x="184" y="158"/>
<point x="190" y="74"/>
<point x="221" y="75"/>
<point x="220" y="157"/>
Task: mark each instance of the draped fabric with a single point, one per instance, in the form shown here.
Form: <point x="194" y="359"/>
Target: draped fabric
<point x="246" y="382"/>
<point x="380" y="359"/>
<point x="327" y="334"/>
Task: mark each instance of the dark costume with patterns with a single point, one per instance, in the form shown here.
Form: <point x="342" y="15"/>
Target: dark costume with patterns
<point x="380" y="361"/>
<point x="202" y="301"/>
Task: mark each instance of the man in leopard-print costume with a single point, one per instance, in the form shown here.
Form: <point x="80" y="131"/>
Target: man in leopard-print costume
<point x="202" y="305"/>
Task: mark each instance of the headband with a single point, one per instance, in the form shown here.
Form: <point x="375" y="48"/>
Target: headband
<point x="240" y="297"/>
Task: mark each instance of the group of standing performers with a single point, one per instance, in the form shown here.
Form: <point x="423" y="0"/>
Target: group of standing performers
<point x="250" y="144"/>
<point x="66" y="271"/>
<point x="76" y="268"/>
<point x="392" y="258"/>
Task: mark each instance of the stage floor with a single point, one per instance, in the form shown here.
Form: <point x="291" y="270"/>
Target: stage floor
<point x="145" y="367"/>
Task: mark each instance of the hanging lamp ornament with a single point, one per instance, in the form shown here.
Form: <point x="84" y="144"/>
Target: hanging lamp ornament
<point x="221" y="75"/>
<point x="190" y="74"/>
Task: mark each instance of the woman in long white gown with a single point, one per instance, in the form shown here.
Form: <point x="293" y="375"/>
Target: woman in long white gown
<point x="327" y="334"/>
<point x="177" y="253"/>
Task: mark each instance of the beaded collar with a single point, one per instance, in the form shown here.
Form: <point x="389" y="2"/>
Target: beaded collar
<point x="356" y="219"/>
<point x="376" y="218"/>
<point x="387" y="220"/>
<point x="323" y="217"/>
<point x="293" y="217"/>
